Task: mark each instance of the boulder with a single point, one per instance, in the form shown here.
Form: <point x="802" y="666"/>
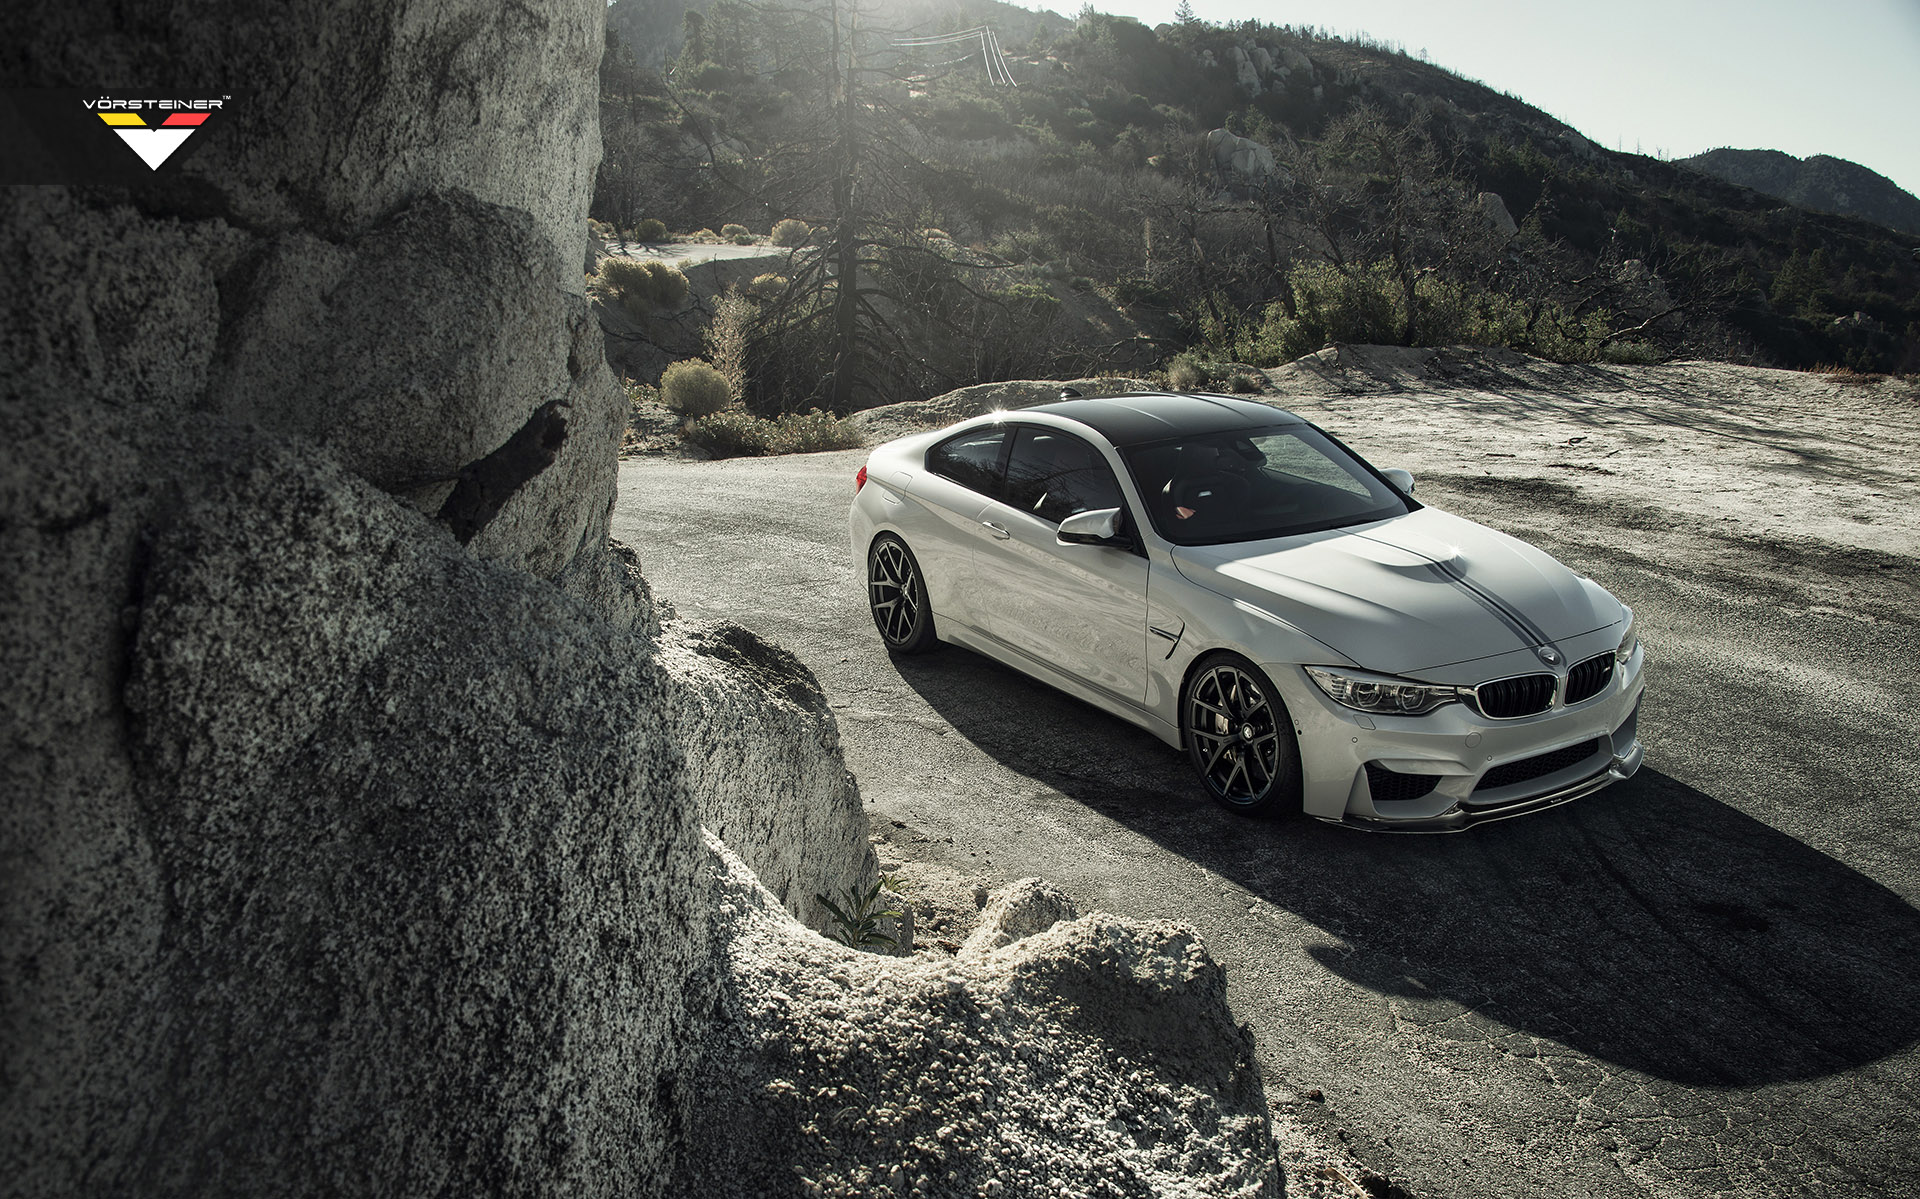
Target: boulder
<point x="763" y="764"/>
<point x="1245" y="73"/>
<point x="1495" y="210"/>
<point x="1240" y="157"/>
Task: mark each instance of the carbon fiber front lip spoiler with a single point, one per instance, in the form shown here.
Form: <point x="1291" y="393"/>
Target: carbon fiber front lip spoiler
<point x="1460" y="818"/>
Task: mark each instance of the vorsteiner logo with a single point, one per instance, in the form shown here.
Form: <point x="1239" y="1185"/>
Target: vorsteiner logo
<point x="181" y="133"/>
<point x="154" y="143"/>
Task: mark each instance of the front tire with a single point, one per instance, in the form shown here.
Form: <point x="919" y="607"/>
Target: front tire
<point x="897" y="595"/>
<point x="1239" y="737"/>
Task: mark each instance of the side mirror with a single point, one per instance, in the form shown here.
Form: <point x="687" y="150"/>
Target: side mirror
<point x="1400" y="478"/>
<point x="1101" y="526"/>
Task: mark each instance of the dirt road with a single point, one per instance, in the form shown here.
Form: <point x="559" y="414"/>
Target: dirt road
<point x="1701" y="982"/>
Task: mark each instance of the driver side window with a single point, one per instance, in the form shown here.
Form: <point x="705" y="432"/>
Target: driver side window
<point x="1054" y="475"/>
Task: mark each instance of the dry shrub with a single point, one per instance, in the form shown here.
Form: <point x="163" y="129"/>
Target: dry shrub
<point x="727" y="338"/>
<point x="642" y="287"/>
<point x="735" y="433"/>
<point x="766" y="287"/>
<point x="694" y="389"/>
<point x="790" y="233"/>
<point x="1187" y="373"/>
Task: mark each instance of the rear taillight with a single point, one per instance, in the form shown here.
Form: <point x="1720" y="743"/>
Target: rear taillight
<point x="860" y="480"/>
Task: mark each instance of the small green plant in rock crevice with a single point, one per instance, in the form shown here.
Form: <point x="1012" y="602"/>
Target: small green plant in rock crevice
<point x="859" y="921"/>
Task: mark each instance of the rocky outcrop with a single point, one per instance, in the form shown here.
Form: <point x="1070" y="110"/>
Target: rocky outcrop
<point x="342" y="856"/>
<point x="1239" y="158"/>
<point x="346" y="905"/>
<point x="1093" y="1057"/>
<point x="354" y="781"/>
<point x="771" y="785"/>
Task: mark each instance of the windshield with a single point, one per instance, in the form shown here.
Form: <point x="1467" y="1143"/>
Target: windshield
<point x="1239" y="486"/>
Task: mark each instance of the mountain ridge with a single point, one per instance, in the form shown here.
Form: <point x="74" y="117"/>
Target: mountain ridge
<point x="1820" y="182"/>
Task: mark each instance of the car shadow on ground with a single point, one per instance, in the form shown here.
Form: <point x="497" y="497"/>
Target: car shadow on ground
<point x="1650" y="926"/>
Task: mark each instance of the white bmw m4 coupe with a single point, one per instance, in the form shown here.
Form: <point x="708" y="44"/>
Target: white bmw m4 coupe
<point x="1238" y="583"/>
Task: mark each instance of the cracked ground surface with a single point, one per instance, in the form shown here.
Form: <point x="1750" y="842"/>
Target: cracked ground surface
<point x="1701" y="982"/>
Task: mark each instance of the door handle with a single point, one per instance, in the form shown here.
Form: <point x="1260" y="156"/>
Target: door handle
<point x="999" y="533"/>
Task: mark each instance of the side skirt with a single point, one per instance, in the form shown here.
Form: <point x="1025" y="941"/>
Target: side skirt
<point x="982" y="642"/>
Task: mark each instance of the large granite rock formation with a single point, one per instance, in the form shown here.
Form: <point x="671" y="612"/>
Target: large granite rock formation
<point x="353" y="782"/>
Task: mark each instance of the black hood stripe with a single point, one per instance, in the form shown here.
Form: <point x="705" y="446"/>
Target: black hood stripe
<point x="1499" y="613"/>
<point x="1530" y="633"/>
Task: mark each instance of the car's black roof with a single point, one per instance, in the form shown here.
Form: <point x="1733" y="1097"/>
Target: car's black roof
<point x="1141" y="417"/>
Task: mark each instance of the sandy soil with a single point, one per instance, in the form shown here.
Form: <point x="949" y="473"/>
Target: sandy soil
<point x="1764" y="453"/>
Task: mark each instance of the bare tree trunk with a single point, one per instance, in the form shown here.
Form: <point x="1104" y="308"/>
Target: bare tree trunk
<point x="846" y="231"/>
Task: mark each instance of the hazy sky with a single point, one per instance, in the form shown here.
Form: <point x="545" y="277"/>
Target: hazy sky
<point x="1840" y="77"/>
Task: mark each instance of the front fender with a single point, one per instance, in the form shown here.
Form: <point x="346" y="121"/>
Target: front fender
<point x="1215" y="622"/>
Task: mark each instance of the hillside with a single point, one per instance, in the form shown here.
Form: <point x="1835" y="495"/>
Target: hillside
<point x="1820" y="182"/>
<point x="1269" y="189"/>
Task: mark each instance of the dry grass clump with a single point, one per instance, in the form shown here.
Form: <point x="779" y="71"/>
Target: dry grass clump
<point x="1846" y="376"/>
<point x="791" y="234"/>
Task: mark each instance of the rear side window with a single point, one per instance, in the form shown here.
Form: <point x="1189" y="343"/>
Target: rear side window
<point x="1053" y="475"/>
<point x="971" y="460"/>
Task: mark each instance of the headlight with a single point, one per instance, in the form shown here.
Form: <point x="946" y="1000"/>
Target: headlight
<point x="1629" y="641"/>
<point x="1380" y="693"/>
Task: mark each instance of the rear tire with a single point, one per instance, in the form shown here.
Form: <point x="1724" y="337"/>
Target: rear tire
<point x="1239" y="737"/>
<point x="897" y="595"/>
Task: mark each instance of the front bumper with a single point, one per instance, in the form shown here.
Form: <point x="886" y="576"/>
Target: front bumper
<point x="1454" y="768"/>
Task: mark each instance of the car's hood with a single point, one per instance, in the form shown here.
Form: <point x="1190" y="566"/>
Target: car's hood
<point x="1415" y="592"/>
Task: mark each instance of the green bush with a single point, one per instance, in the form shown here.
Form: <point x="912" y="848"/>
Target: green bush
<point x="791" y="233"/>
<point x="767" y="286"/>
<point x="1031" y="305"/>
<point x="734" y="231"/>
<point x="641" y="287"/>
<point x="1242" y="383"/>
<point x="650" y="231"/>
<point x="1368" y="306"/>
<point x="735" y="433"/>
<point x="694" y="389"/>
<point x="743" y="239"/>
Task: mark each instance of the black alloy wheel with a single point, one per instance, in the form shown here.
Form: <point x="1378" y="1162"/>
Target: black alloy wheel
<point x="1239" y="737"/>
<point x="898" y="596"/>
